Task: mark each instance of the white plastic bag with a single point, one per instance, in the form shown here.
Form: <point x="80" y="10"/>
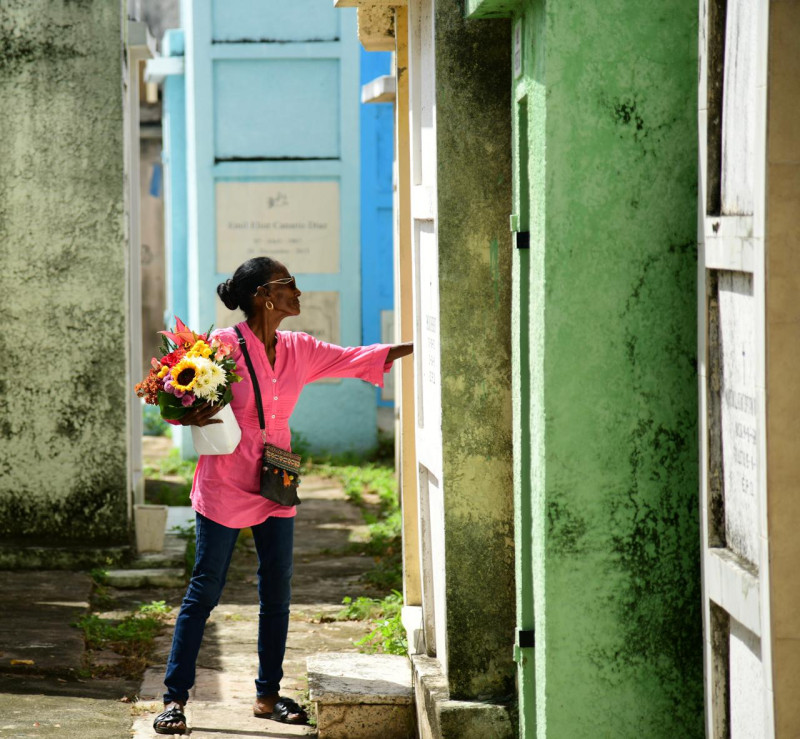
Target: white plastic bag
<point x="218" y="438"/>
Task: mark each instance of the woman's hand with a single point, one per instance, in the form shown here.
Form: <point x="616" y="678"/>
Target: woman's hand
<point x="200" y="415"/>
<point x="400" y="350"/>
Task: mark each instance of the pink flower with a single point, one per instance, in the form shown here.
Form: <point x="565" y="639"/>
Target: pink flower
<point x="188" y="399"/>
<point x="170" y="388"/>
<point x="222" y="349"/>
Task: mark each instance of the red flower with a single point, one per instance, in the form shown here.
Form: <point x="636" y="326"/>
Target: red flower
<point x="173" y="357"/>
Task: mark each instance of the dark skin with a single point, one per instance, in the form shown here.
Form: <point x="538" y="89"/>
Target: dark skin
<point x="271" y="304"/>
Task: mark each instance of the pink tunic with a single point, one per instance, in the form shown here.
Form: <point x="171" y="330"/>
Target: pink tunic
<point x="225" y="487"/>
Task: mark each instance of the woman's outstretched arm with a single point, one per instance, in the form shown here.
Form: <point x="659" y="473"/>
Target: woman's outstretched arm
<point x="400" y="350"/>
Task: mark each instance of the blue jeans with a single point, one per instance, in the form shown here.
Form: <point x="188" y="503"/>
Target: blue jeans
<point x="274" y="539"/>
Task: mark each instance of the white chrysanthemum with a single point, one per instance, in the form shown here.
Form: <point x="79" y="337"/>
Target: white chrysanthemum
<point x="207" y="393"/>
<point x="208" y="380"/>
<point x="217" y="374"/>
<point x="202" y="381"/>
<point x="202" y="388"/>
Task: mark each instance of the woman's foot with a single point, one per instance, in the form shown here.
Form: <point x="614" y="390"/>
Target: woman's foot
<point x="280" y="709"/>
<point x="171" y="720"/>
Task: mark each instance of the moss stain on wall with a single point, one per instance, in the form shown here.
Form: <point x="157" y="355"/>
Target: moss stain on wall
<point x="613" y="327"/>
<point x="62" y="284"/>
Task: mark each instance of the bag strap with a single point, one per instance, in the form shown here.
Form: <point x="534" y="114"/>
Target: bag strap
<point x="256" y="388"/>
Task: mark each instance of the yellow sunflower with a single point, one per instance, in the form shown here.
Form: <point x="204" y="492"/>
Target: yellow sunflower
<point x="184" y="374"/>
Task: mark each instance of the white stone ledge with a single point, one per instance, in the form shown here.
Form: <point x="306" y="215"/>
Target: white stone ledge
<point x="359" y="678"/>
<point x="411" y="616"/>
<point x="382" y="89"/>
<point x="733" y="585"/>
<point x="443" y="718"/>
<point x="729" y="243"/>
<point x="156" y="70"/>
<point x="423" y="206"/>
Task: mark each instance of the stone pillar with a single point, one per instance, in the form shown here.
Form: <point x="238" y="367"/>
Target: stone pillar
<point x="473" y="147"/>
<point x="64" y="386"/>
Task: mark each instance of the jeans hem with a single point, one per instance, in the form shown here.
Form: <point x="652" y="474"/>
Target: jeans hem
<point x="172" y="699"/>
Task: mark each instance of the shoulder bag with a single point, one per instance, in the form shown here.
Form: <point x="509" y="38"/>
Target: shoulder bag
<point x="280" y="469"/>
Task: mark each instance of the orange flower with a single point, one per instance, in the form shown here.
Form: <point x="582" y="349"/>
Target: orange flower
<point x="182" y="335"/>
<point x="149" y="387"/>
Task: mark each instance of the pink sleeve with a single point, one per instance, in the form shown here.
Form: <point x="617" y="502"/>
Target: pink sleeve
<point x="366" y="363"/>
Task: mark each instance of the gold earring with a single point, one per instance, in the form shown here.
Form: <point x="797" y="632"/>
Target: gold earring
<point x="270" y="306"/>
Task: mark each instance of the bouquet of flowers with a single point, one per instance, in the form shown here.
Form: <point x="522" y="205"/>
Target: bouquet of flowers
<point x="193" y="370"/>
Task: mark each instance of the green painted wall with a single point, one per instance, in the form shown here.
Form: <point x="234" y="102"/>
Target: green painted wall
<point x="63" y="386"/>
<point x="610" y="321"/>
<point x="473" y="141"/>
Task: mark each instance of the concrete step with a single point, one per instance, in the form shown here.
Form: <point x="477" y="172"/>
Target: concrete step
<point x="172" y="555"/>
<point x="169" y="577"/>
<point x="361" y="696"/>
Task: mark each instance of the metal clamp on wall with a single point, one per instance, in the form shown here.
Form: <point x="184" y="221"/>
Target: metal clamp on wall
<point x="522" y="239"/>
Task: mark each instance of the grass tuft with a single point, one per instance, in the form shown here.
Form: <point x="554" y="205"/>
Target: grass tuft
<point x="388" y="634"/>
<point x="133" y="637"/>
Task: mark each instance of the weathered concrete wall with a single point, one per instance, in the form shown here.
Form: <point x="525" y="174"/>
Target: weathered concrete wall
<point x="62" y="268"/>
<point x="612" y="138"/>
<point x="474" y="197"/>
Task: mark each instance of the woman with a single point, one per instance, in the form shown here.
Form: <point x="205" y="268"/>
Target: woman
<point x="225" y="491"/>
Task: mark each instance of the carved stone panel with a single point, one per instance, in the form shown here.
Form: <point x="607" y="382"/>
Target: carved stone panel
<point x="739" y="414"/>
<point x="294" y="222"/>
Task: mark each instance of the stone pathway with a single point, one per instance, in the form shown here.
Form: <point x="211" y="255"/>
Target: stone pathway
<point x="220" y="704"/>
<point x="41" y="661"/>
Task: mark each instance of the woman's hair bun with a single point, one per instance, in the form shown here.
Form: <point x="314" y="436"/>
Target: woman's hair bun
<point x="238" y="292"/>
<point x="227" y="294"/>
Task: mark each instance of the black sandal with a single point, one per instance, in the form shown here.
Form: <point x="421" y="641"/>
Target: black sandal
<point x="170" y="716"/>
<point x="285" y="707"/>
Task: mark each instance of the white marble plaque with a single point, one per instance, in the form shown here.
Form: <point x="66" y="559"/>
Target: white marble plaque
<point x="319" y="316"/>
<point x="739" y="406"/>
<point x="296" y="223"/>
<point x="429" y="406"/>
<point x="740" y="103"/>
<point x="746" y="674"/>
